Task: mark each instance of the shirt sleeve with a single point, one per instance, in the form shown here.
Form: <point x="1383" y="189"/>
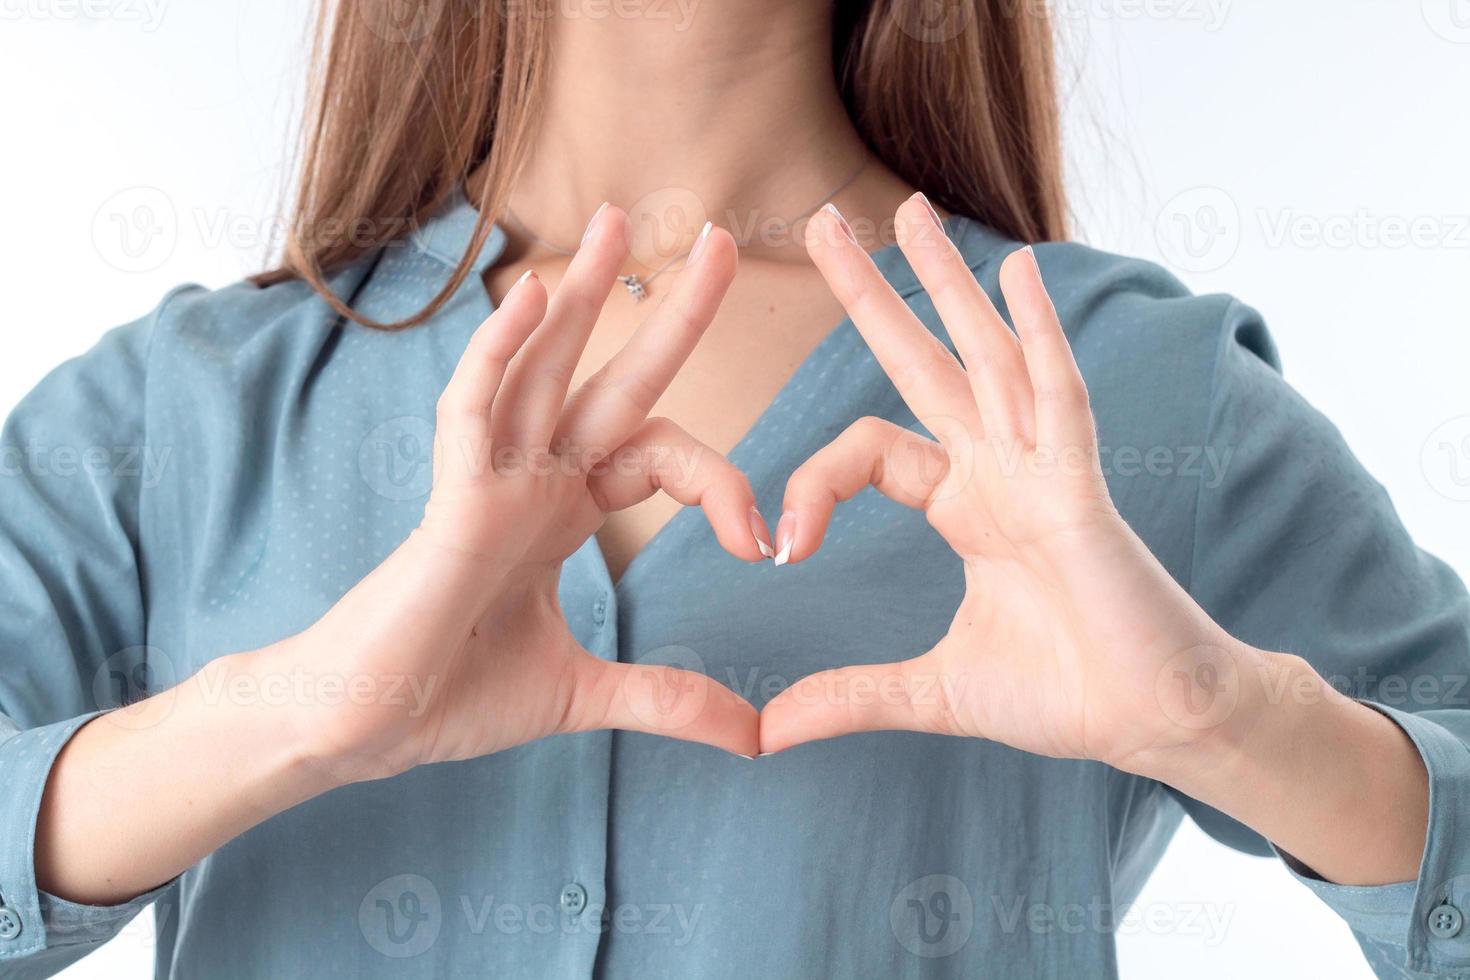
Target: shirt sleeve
<point x="74" y="460"/>
<point x="1297" y="549"/>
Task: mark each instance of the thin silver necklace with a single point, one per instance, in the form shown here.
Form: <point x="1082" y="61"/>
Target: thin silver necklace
<point x="637" y="286"/>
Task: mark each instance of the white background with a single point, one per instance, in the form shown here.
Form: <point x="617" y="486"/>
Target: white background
<point x="1266" y="149"/>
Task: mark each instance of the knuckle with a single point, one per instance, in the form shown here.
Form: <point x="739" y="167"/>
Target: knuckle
<point x="1068" y="396"/>
<point x="950" y="283"/>
<point x="600" y="498"/>
<point x="870" y="428"/>
<point x="582" y="302"/>
<point x="635" y="389"/>
<point x="661" y="429"/>
<point x="686" y="322"/>
<point x="555" y="372"/>
<point x="925" y="368"/>
<point x="598" y="381"/>
<point x="735" y="480"/>
<point x="451" y="408"/>
<point x="811" y="483"/>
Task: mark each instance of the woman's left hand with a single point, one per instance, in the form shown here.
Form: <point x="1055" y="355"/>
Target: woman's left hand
<point x="1072" y="640"/>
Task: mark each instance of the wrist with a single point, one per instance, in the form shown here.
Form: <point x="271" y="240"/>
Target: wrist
<point x="1217" y="704"/>
<point x="331" y="724"/>
<point x="1297" y="754"/>
<point x="431" y="542"/>
<point x="1274" y="708"/>
<point x="227" y="755"/>
<point x="249" y="699"/>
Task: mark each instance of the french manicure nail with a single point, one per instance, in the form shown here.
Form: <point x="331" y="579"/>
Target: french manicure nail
<point x="1031" y="254"/>
<point x="761" y="533"/>
<point x="742" y="755"/>
<point x="517" y="284"/>
<point x="785" y="538"/>
<point x="765" y="755"/>
<point x="933" y="214"/>
<point x="591" y="224"/>
<point x="698" y="248"/>
<point x="831" y="209"/>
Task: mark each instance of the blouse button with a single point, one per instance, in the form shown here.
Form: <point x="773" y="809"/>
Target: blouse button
<point x="599" y="610"/>
<point x="1446" y="921"/>
<point x="574" y="898"/>
<point x="9" y="924"/>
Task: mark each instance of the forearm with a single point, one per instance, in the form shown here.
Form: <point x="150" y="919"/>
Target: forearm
<point x="1333" y="783"/>
<point x="141" y="794"/>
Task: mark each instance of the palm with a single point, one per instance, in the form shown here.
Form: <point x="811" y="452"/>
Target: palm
<point x="520" y="656"/>
<point x="465" y="614"/>
<point x="1070" y="635"/>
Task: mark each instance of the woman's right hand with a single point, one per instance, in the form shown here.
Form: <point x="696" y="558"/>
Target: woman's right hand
<point x="465" y="613"/>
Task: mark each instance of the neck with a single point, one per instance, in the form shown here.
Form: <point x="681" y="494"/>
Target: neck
<point x="681" y="112"/>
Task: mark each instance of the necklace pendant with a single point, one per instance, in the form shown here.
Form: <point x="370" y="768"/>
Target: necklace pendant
<point x="634" y="286"/>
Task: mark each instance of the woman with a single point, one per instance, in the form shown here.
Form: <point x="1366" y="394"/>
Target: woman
<point x="342" y="665"/>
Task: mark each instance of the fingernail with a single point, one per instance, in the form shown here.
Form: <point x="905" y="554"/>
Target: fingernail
<point x="764" y="755"/>
<point x="831" y="209"/>
<point x="933" y="214"/>
<point x="1031" y="254"/>
<point x="761" y="533"/>
<point x="517" y="284"/>
<point x="698" y="248"/>
<point x="742" y="755"/>
<point x="785" y="538"/>
<point x="595" y="215"/>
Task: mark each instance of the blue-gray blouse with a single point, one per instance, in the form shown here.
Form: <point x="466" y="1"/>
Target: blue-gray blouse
<point x="214" y="476"/>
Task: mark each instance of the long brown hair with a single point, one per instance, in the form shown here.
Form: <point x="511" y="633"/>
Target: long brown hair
<point x="958" y="97"/>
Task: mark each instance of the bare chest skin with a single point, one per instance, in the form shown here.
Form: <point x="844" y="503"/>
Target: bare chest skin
<point x="771" y="319"/>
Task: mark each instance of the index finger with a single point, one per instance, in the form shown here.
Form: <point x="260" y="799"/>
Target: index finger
<point x="610" y="406"/>
<point x="926" y="374"/>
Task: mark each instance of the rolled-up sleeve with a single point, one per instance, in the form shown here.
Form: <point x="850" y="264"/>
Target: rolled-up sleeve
<point x="74" y="459"/>
<point x="1297" y="549"/>
<point x="1421" y="923"/>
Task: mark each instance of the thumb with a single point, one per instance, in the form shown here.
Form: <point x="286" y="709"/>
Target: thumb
<point x="662" y="700"/>
<point x="906" y="696"/>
